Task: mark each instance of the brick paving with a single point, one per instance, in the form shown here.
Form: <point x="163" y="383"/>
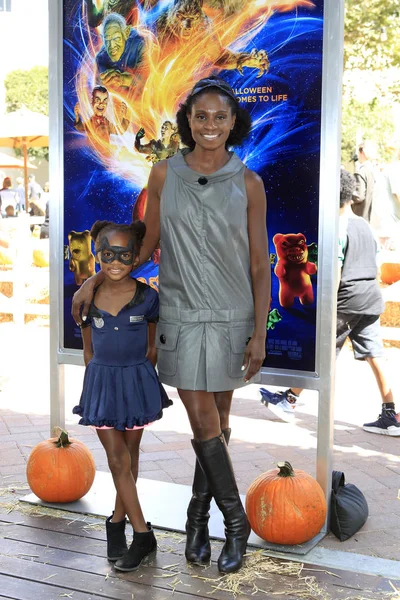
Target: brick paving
<point x="258" y="441"/>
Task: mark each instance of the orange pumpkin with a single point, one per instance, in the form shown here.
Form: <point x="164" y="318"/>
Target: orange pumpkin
<point x="390" y="272"/>
<point x="60" y="469"/>
<point x="286" y="506"/>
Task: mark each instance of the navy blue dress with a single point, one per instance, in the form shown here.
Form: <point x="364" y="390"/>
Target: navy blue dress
<point x="121" y="387"/>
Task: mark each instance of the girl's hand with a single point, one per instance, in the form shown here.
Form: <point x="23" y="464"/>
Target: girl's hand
<point x="254" y="356"/>
<point x="151" y="355"/>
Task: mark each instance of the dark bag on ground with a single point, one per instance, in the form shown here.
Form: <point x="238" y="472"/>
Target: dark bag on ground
<point x="349" y="508"/>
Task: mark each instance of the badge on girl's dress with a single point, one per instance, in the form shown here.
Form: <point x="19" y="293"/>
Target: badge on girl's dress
<point x="98" y="321"/>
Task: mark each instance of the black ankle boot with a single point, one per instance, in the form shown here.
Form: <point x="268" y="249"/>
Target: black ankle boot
<point x="214" y="459"/>
<point x="198" y="548"/>
<point x="116" y="540"/>
<point x="142" y="545"/>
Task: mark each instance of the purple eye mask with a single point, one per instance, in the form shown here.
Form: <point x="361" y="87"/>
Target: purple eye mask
<point x="110" y="253"/>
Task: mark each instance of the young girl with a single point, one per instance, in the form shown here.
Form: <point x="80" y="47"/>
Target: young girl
<point x="121" y="391"/>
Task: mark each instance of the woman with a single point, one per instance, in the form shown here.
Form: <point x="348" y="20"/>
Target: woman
<point x="209" y="213"/>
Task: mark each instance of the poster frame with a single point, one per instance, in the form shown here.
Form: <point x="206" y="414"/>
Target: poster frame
<point x="322" y="380"/>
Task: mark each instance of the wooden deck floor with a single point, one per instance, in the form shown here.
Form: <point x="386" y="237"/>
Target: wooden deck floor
<point x="49" y="558"/>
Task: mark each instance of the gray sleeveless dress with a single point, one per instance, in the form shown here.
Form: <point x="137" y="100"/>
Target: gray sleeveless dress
<point x="206" y="299"/>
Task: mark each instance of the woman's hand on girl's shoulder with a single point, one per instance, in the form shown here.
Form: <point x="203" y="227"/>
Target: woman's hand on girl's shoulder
<point x="84" y="296"/>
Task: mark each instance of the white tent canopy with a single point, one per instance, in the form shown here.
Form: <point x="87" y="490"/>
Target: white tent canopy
<point x="24" y="129"/>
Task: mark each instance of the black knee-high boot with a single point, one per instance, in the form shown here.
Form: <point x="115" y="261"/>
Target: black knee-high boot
<point x="215" y="461"/>
<point x="198" y="549"/>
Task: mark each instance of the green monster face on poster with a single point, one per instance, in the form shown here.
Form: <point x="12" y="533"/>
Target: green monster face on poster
<point x="122" y="54"/>
<point x="115" y="37"/>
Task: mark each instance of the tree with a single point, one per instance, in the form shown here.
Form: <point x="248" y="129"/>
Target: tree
<point x="30" y="89"/>
<point x="371" y="34"/>
<point x="372" y="119"/>
<point x="371" y="78"/>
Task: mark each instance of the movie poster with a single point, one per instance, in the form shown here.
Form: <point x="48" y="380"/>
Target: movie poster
<point x="127" y="66"/>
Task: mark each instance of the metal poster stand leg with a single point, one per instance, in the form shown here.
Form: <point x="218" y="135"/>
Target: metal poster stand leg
<point x="328" y="236"/>
<point x="57" y="389"/>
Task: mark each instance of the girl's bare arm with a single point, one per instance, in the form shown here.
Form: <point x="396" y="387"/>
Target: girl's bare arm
<point x="87" y="344"/>
<point x="151" y="343"/>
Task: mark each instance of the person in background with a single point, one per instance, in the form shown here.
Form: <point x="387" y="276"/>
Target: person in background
<point x="385" y="218"/>
<point x="359" y="306"/>
<point x="10" y="211"/>
<point x="8" y="196"/>
<point x="38" y="198"/>
<point x="20" y="190"/>
<point x="365" y="181"/>
<point x="34" y="189"/>
<point x="45" y="228"/>
<point x="46" y="193"/>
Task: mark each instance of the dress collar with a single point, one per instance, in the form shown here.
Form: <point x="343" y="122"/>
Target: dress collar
<point x="182" y="170"/>
<point x="137" y="299"/>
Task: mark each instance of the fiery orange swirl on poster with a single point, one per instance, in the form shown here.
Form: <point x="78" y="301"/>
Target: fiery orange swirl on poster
<point x="166" y="76"/>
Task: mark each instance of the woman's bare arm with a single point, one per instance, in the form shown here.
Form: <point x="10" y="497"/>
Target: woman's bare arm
<point x="260" y="271"/>
<point x="152" y="215"/>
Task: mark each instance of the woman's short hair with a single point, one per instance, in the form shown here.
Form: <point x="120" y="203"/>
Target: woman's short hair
<point x="214" y="85"/>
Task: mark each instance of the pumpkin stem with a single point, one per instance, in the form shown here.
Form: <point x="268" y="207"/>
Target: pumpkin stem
<point x="63" y="440"/>
<point x="285" y="469"/>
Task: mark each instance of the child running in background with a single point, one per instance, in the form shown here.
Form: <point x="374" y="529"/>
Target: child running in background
<point x="121" y="391"/>
<point x="359" y="306"/>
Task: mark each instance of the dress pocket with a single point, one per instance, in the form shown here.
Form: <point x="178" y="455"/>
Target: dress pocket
<point x="239" y="338"/>
<point x="167" y="336"/>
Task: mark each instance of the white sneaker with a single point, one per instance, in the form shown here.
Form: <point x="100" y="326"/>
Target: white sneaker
<point x="283" y="410"/>
<point x="278" y="404"/>
<point x="281" y="397"/>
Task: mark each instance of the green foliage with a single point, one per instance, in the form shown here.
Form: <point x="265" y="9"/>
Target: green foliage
<point x="373" y="120"/>
<point x="372" y="81"/>
<point x="371" y="34"/>
<point x="38" y="153"/>
<point x="30" y="89"/>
